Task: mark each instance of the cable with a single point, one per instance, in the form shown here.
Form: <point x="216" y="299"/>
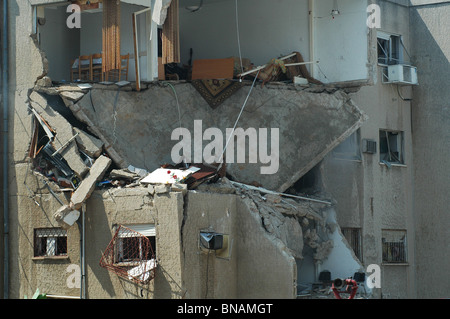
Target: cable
<point x="179" y="112"/>
<point x="399" y="94"/>
<point x="238" y="38"/>
<point x="321" y="71"/>
<point x="240" y="113"/>
<point x="176" y="98"/>
<point x="92" y="103"/>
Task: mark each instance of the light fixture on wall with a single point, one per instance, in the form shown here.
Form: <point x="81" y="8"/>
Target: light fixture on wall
<point x="195" y="8"/>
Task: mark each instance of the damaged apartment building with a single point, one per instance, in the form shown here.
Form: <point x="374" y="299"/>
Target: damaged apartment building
<point x="111" y="106"/>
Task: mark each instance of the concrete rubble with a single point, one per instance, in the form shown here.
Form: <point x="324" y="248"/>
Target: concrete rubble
<point x="297" y="222"/>
<point x="87" y="186"/>
<point x="64" y="132"/>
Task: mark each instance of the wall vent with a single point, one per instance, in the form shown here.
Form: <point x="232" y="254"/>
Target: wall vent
<point x="369" y="146"/>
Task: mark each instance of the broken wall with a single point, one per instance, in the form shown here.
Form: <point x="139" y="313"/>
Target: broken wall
<point x="208" y="274"/>
<point x="275" y="274"/>
<point x="311" y="122"/>
<point x="26" y="65"/>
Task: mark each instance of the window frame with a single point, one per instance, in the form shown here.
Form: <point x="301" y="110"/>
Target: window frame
<point x="390" y="42"/>
<point x="399" y="138"/>
<point x="142" y="231"/>
<point x="353" y="235"/>
<point x="386" y="256"/>
<point x="53" y="238"/>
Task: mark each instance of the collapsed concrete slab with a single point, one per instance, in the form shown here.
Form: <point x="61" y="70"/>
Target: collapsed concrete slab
<point x="89" y="144"/>
<point x="87" y="186"/>
<point x="139" y="126"/>
<point x="289" y="221"/>
<point x="66" y="216"/>
<point x="64" y="133"/>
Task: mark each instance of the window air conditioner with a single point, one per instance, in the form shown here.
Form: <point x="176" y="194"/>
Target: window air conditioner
<point x="402" y="74"/>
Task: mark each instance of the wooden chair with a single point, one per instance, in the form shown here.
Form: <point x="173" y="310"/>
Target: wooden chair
<point x="117" y="74"/>
<point x="73" y="71"/>
<point x="85" y="67"/>
<point x="97" y="68"/>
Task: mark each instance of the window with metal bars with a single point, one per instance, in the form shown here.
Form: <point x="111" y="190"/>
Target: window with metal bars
<point x="353" y="237"/>
<point x="50" y="242"/>
<point x="394" y="246"/>
<point x="135" y="243"/>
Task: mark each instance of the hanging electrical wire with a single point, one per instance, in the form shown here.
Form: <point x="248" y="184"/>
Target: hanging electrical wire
<point x="238" y="37"/>
<point x="237" y="120"/>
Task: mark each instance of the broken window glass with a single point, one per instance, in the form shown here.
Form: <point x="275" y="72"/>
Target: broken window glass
<point x="389" y="48"/>
<point x="391" y="147"/>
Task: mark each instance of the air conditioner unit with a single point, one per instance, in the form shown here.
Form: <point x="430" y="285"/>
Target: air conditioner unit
<point x="401" y="74"/>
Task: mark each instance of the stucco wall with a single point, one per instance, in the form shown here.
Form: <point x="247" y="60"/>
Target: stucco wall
<point x="207" y="275"/>
<point x="431" y="54"/>
<point x="257" y="265"/>
<point x="370" y="195"/>
<point x="266" y="269"/>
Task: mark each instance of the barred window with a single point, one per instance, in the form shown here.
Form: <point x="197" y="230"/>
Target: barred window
<point x="49" y="242"/>
<point x="394" y="246"/>
<point x="135" y="243"/>
<point x="353" y="237"/>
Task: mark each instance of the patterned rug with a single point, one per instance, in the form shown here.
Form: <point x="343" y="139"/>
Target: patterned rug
<point x="216" y="91"/>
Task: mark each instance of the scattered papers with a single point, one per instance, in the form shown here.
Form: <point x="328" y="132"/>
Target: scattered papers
<point x="169" y="176"/>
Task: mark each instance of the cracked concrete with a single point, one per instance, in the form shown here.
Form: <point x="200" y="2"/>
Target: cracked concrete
<point x="311" y="124"/>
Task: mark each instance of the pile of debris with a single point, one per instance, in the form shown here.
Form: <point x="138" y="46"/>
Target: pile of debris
<point x="77" y="161"/>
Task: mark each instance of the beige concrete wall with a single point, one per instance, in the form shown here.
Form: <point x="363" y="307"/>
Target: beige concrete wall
<point x="431" y="122"/>
<point x="258" y="264"/>
<point x="207" y="274"/>
<point x="26" y="64"/>
<point x="104" y="210"/>
<point x="370" y="195"/>
<point x="134" y="206"/>
<point x="266" y="269"/>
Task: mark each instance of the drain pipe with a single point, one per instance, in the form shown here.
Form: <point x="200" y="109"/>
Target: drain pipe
<point x="81" y="226"/>
<point x="5" y="151"/>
